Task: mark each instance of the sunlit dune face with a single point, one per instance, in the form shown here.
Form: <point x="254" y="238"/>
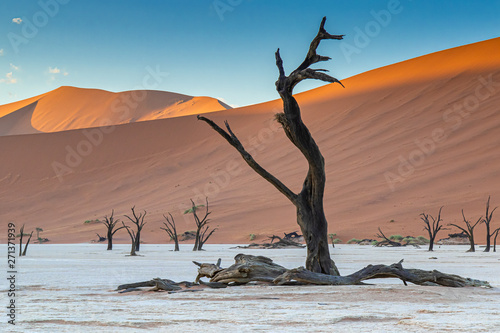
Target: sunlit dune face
<point x="68" y="108"/>
<point x="474" y="57"/>
<point x="400" y="120"/>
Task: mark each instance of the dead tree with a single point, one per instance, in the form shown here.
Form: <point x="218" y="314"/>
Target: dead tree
<point x="100" y="238"/>
<point x="110" y="224"/>
<point x="434" y="229"/>
<point x="171" y="230"/>
<point x="487" y="222"/>
<point x="133" y="238"/>
<point x="386" y="241"/>
<point x="469" y="231"/>
<point x="495" y="239"/>
<point x="27" y="243"/>
<point x="202" y="226"/>
<point x="292" y="235"/>
<point x="21" y="252"/>
<point x="309" y="201"/>
<point x="139" y="223"/>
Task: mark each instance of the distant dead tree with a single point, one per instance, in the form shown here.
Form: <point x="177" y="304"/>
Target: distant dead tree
<point x="21" y="252"/>
<point x="432" y="229"/>
<point x="487" y="222"/>
<point x="171" y="230"/>
<point x="133" y="238"/>
<point x="386" y="241"/>
<point x="469" y="231"/>
<point x="202" y="226"/>
<point x="309" y="202"/>
<point x="138" y="220"/>
<point x="497" y="230"/>
<point x="38" y="230"/>
<point x="100" y="238"/>
<point x="110" y="224"/>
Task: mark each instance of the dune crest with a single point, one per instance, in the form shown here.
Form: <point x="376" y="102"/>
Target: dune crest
<point x="69" y="108"/>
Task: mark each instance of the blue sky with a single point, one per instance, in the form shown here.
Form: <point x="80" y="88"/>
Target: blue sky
<point x="218" y="48"/>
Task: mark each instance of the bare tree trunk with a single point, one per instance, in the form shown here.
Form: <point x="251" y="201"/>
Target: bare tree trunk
<point x="487" y="222"/>
<point x="196" y="240"/>
<point x="314" y="227"/>
<point x="110" y="241"/>
<point x="495" y="239"/>
<point x="27" y="243"/>
<point x="21" y="241"/>
<point x="133" y="239"/>
<point x="138" y="241"/>
<point x="309" y="202"/>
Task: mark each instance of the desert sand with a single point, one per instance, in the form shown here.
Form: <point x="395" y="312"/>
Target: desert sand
<point x="72" y="288"/>
<point x="68" y="108"/>
<point x="398" y="141"/>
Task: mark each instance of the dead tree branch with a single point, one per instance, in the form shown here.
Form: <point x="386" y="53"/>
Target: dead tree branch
<point x="171" y="230"/>
<point x="309" y="202"/>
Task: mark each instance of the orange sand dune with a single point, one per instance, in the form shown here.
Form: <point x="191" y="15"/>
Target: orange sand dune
<point x="398" y="141"/>
<point x="69" y="108"/>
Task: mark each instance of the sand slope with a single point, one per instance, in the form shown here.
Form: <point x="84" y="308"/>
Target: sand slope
<point x="69" y="108"/>
<point x="397" y="141"/>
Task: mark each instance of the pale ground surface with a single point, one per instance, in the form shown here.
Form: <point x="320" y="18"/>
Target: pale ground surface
<point x="70" y="288"/>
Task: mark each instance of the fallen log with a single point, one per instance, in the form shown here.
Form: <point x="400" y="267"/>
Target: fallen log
<point x="280" y="244"/>
<point x="249" y="268"/>
<point x="207" y="270"/>
<point x="415" y="276"/>
<point x="158" y="284"/>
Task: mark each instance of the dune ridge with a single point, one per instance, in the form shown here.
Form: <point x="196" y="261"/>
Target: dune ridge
<point x="393" y="147"/>
<point x="68" y="108"/>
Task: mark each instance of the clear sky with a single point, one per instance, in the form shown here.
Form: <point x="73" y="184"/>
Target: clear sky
<point x="218" y="48"/>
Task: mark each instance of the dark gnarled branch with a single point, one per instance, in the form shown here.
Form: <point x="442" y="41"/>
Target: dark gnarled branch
<point x="235" y="142"/>
<point x="286" y="84"/>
